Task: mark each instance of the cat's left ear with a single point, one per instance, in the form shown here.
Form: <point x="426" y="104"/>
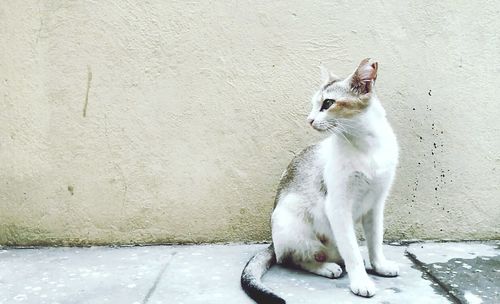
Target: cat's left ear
<point x="364" y="77"/>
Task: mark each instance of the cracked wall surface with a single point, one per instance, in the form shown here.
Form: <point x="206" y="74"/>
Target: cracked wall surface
<point x="159" y="122"/>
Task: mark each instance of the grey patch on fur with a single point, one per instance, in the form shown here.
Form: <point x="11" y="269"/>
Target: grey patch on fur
<point x="361" y="176"/>
<point x="395" y="289"/>
<point x="330" y="83"/>
<point x="340" y="88"/>
<point x="360" y="179"/>
<point x="322" y="187"/>
<point x="303" y="175"/>
<point x="295" y="171"/>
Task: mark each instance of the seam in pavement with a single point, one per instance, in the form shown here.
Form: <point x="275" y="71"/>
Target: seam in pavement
<point x="158" y="278"/>
<point x="420" y="266"/>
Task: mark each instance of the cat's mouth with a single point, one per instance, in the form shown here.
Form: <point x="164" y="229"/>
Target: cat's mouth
<point x="322" y="128"/>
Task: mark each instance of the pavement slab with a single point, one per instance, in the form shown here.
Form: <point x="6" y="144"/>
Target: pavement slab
<point x="210" y="274"/>
<point x="80" y="275"/>
<point x="205" y="274"/>
<point x="468" y="272"/>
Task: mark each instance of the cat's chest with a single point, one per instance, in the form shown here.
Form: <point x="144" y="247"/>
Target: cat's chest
<point x="358" y="175"/>
<point x="357" y="170"/>
<point x="361" y="169"/>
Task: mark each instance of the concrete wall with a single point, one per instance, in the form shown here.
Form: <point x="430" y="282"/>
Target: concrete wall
<point x="171" y="121"/>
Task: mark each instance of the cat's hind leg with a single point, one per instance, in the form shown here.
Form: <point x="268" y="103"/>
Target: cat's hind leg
<point x="295" y="241"/>
<point x="320" y="264"/>
<point x="324" y="269"/>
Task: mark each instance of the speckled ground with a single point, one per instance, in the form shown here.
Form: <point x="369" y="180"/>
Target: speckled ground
<point x="430" y="273"/>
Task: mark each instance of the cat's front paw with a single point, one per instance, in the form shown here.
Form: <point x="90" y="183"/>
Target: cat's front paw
<point x="363" y="287"/>
<point x="334" y="270"/>
<point x="386" y="268"/>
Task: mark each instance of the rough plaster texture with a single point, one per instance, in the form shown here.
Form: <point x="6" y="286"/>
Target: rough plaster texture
<point x="171" y="121"/>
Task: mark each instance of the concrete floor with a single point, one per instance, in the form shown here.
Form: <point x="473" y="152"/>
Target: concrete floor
<point x="430" y="273"/>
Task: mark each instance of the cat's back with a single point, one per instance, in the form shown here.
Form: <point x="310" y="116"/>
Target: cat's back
<point x="303" y="174"/>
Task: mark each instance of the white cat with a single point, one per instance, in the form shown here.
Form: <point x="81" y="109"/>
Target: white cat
<point x="330" y="186"/>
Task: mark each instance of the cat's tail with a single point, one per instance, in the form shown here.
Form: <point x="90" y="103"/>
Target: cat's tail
<point x="252" y="274"/>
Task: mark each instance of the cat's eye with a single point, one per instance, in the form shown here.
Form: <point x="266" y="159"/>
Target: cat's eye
<point x="327" y="103"/>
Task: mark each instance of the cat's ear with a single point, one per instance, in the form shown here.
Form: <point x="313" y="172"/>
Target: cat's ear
<point x="364" y="77"/>
<point x="327" y="76"/>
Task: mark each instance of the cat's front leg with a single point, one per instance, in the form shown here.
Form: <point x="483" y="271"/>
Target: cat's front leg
<point x="373" y="226"/>
<point x="339" y="213"/>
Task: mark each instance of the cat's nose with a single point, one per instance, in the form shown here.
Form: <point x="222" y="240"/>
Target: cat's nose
<point x="310" y="121"/>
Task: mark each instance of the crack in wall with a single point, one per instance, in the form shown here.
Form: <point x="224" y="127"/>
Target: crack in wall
<point x="89" y="80"/>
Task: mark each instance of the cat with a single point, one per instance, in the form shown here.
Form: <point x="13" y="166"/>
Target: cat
<point x="332" y="185"/>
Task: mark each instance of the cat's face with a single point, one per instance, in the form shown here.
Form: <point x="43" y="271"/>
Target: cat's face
<point x="340" y="100"/>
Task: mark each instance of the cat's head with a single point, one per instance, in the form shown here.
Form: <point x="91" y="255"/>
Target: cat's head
<point x="341" y="100"/>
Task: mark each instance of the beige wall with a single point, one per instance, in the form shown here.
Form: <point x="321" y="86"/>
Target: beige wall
<point x="194" y="109"/>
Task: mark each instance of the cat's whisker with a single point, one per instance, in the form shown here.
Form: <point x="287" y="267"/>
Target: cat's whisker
<point x="345" y="138"/>
<point x="347" y="123"/>
<point x="349" y="127"/>
<point x="337" y="131"/>
<point x="343" y="129"/>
